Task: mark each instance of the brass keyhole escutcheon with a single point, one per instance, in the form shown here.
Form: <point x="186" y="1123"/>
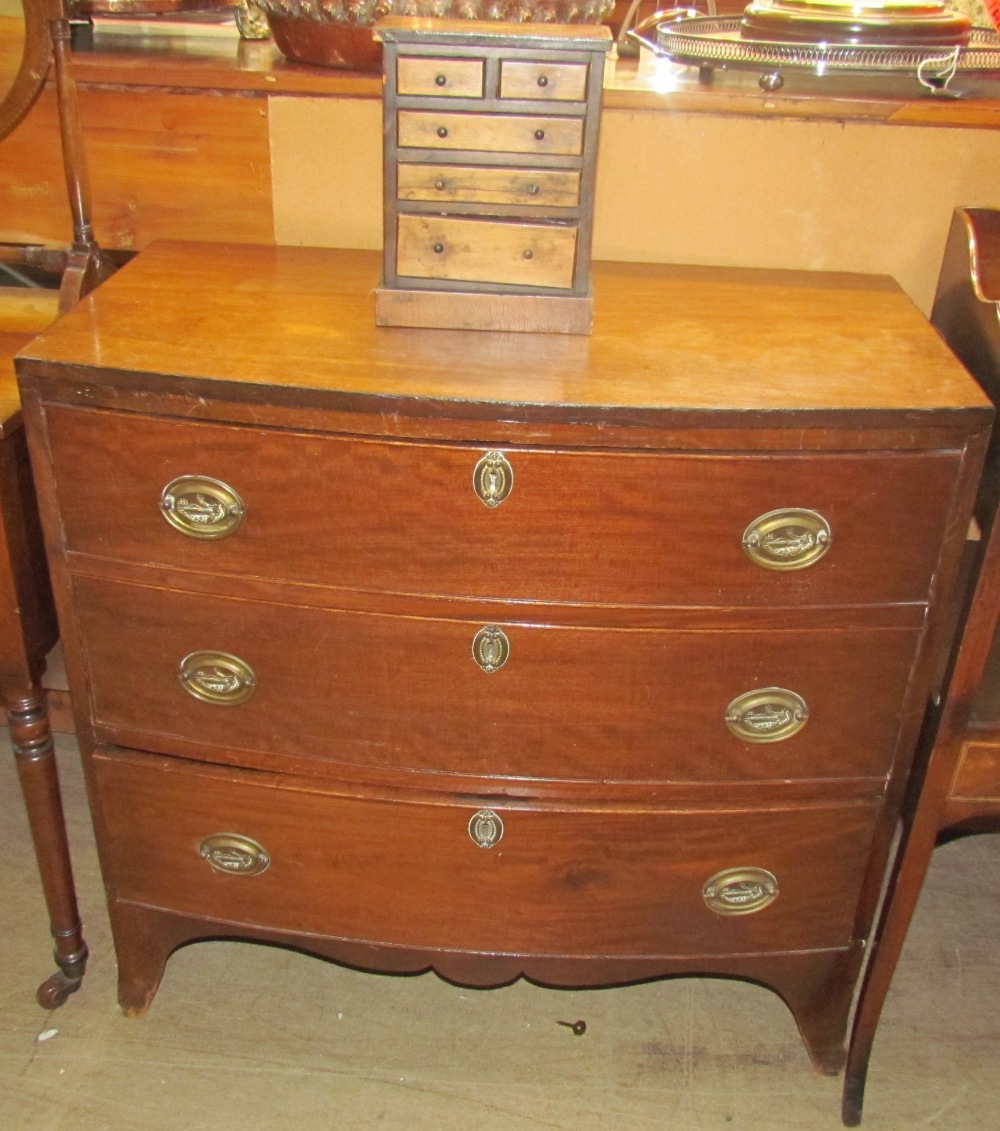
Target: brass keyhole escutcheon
<point x="486" y="828"/>
<point x="740" y="891"/>
<point x="787" y="539"/>
<point x="201" y="507"/>
<point x="490" y="648"/>
<point x="493" y="479"/>
<point x="235" y="855"/>
<point x="768" y="714"/>
<point x="217" y="678"/>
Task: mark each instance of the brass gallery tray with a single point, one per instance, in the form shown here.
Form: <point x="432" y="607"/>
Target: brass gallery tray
<point x="707" y="42"/>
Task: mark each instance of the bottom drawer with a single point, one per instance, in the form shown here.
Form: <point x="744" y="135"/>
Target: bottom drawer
<point x="556" y="880"/>
<point x="486" y="251"/>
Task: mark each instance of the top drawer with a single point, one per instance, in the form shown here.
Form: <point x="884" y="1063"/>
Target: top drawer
<point x="576" y="525"/>
<point x="443" y="78"/>
<point x="556" y="82"/>
<point x="464" y="78"/>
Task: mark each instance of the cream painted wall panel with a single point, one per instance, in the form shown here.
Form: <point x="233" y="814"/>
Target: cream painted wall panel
<point x="685" y="188"/>
<point x="786" y="193"/>
<point x="326" y="171"/>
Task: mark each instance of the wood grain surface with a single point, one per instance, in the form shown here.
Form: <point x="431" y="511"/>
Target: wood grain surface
<point x="678" y="340"/>
<point x="161" y="164"/>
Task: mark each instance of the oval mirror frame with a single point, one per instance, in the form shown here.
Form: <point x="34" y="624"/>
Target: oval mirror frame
<point x="35" y="61"/>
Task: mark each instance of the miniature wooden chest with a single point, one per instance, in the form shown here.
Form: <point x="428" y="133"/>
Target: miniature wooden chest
<point x="490" y="157"/>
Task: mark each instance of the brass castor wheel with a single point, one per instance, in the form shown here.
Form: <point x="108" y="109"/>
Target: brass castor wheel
<point x="55" y="990"/>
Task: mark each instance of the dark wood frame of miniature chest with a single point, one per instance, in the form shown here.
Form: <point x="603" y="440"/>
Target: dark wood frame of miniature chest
<point x="490" y="158"/>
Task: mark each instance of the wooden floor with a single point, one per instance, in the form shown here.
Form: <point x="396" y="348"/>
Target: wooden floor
<point x="248" y="1038"/>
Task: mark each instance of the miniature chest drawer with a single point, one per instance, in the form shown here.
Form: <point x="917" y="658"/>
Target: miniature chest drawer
<point x="559" y="82"/>
<point x="475" y="184"/>
<point x="556" y="524"/>
<point x="442" y="78"/>
<point x="449" y="77"/>
<point x="490" y="133"/>
<point x="252" y="849"/>
<point x="438" y="247"/>
<point x="510" y="700"/>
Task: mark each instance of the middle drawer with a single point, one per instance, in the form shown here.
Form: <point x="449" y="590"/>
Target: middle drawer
<point x="510" y="700"/>
<point x="484" y="184"/>
<point x="490" y="133"/>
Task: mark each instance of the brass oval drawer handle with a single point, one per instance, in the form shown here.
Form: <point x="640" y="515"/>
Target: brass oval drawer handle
<point x="493" y="479"/>
<point x="490" y="648"/>
<point x="790" y="538"/>
<point x="234" y="854"/>
<point x="769" y="714"/>
<point x="740" y="891"/>
<point x="201" y="507"/>
<point x="217" y="677"/>
<point x="486" y="828"/>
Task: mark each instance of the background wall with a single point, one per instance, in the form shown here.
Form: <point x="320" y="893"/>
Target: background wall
<point x="686" y="188"/>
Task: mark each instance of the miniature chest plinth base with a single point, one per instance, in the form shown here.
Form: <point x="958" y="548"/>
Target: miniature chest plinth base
<point x="472" y="310"/>
<point x="489" y="166"/>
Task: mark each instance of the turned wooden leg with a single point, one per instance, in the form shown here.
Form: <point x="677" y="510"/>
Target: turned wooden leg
<point x="36" y="765"/>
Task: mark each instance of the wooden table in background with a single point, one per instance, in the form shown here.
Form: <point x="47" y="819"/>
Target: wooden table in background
<point x="28" y="631"/>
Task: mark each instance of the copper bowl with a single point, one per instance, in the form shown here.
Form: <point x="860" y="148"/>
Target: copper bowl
<point x="338" y="33"/>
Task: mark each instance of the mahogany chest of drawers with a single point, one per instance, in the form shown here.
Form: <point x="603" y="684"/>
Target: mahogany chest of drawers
<point x="490" y="158"/>
<point x="589" y="659"/>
